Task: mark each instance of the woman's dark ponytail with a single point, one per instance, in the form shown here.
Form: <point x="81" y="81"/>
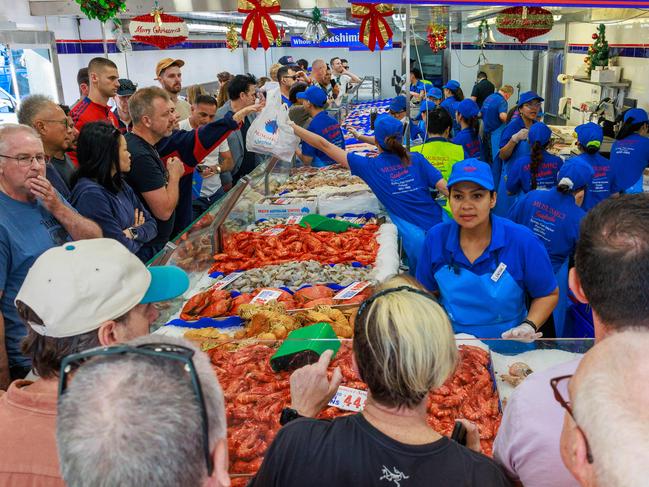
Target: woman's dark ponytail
<point x="588" y="149"/>
<point x="458" y="94"/>
<point x="393" y="146"/>
<point x="628" y="128"/>
<point x="536" y="157"/>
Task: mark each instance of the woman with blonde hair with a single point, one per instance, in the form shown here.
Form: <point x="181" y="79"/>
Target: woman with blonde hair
<point x="222" y="97"/>
<point x="193" y="92"/>
<point x="403" y="347"/>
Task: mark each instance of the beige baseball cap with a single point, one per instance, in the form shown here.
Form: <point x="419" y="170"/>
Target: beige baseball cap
<point x="78" y="286"/>
<point x="165" y="63"/>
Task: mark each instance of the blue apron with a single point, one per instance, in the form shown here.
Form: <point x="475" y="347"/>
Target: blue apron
<point x="505" y="201"/>
<point x="496" y="163"/>
<point x="559" y="313"/>
<point x="412" y="239"/>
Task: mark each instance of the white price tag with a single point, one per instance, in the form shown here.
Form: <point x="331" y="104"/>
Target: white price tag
<point x="273" y="232"/>
<point x="498" y="272"/>
<point x="293" y="220"/>
<point x="266" y="295"/>
<point x="227" y="280"/>
<point x="352" y="290"/>
<point x="281" y="201"/>
<point x="349" y="399"/>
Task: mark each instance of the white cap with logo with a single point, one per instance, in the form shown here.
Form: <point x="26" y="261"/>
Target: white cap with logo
<point x="78" y="286"/>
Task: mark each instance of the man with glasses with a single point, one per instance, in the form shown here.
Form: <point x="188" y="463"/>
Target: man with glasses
<point x="74" y="298"/>
<point x="286" y="76"/>
<point x="604" y="441"/>
<point x="56" y="133"/>
<point x="33" y="218"/>
<point x="151" y="394"/>
<point x="242" y="91"/>
<point x="611" y="274"/>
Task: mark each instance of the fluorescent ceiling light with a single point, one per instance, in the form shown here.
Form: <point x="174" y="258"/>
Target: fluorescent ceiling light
<point x="206" y="28"/>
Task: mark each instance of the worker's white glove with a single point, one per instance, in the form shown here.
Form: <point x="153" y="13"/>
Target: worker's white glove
<point x="522" y="333"/>
<point x="520" y="135"/>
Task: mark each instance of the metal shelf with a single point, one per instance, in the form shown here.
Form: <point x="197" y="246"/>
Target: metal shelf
<point x="621" y="84"/>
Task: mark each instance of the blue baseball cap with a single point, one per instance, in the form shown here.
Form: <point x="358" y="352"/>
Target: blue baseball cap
<point x="468" y="108"/>
<point x="315" y="95"/>
<point x="435" y="93"/>
<point x="451" y="85"/>
<point x="638" y="114"/>
<point x="474" y="171"/>
<point x="539" y="132"/>
<point x="590" y="134"/>
<point x="527" y="97"/>
<point x="398" y="104"/>
<point x="386" y="125"/>
<point x="575" y="174"/>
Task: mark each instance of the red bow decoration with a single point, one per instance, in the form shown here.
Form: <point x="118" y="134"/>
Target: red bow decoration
<point x="374" y="28"/>
<point x="259" y="27"/>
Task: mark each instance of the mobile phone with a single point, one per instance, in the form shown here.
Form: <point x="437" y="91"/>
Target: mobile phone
<point x="459" y="433"/>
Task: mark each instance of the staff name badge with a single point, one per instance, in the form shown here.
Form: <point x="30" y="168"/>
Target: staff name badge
<point x="349" y="399"/>
<point x="352" y="290"/>
<point x="227" y="280"/>
<point x="495" y="277"/>
<point x="266" y="295"/>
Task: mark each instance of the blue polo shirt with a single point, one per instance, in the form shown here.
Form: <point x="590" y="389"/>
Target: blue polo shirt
<point x="470" y="142"/>
<point x="603" y="182"/>
<point x="629" y="158"/>
<point x="326" y="126"/>
<point x="492" y="107"/>
<point x="554" y="218"/>
<point x="418" y="87"/>
<point x="512" y="244"/>
<point x="519" y="177"/>
<point x="403" y="190"/>
<point x="510" y="129"/>
<point x="286" y="101"/>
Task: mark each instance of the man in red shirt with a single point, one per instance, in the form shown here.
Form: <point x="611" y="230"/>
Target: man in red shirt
<point x="104" y="83"/>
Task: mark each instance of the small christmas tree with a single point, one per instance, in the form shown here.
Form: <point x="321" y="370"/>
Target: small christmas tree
<point x="598" y="52"/>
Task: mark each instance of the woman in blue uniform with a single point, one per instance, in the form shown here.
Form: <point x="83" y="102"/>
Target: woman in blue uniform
<point x="417" y="88"/>
<point x="554" y="217"/>
<point x="467" y="137"/>
<point x="484" y="266"/>
<point x="514" y="144"/>
<point x="453" y="95"/>
<point x="589" y="140"/>
<point x="539" y="168"/>
<point x="630" y="152"/>
<point x="401" y="180"/>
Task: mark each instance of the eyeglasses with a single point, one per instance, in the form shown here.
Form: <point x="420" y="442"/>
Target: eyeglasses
<point x="65" y="122"/>
<point x="25" y="160"/>
<point x="562" y="382"/>
<point x="533" y="104"/>
<point x="181" y="354"/>
<point x="368" y="302"/>
<point x="294" y="77"/>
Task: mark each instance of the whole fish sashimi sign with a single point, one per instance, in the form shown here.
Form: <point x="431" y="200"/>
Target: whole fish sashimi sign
<point x="341" y="38"/>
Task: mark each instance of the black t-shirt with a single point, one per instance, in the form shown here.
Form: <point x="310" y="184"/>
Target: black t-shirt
<point x="481" y="90"/>
<point x="349" y="451"/>
<point x="65" y="168"/>
<point x="148" y="173"/>
<point x="249" y="161"/>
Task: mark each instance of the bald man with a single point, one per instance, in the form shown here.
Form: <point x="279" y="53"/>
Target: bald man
<point x="605" y="437"/>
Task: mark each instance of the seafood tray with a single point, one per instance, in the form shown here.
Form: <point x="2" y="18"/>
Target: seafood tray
<point x="247" y="250"/>
<point x="312" y="179"/>
<point x="360" y="219"/>
<point x="255" y="395"/>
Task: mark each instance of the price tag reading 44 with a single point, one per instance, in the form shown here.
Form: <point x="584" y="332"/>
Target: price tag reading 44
<point x="266" y="295"/>
<point x="352" y="290"/>
<point x="349" y="399"/>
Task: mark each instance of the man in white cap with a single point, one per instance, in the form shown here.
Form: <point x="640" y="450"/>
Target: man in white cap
<point x="75" y="297"/>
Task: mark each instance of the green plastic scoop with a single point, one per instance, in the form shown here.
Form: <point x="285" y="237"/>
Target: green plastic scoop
<point x="304" y="346"/>
<point x="319" y="223"/>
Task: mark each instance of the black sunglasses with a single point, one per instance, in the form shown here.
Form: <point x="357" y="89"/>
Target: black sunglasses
<point x="368" y="302"/>
<point x="168" y="351"/>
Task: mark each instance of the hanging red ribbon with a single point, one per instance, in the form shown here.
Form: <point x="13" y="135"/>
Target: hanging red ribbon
<point x="259" y="27"/>
<point x="374" y="27"/>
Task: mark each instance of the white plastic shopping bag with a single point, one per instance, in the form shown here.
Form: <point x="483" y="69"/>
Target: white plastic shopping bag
<point x="270" y="133"/>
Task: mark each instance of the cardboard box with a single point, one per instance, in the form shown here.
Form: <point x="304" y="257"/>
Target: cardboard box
<point x="605" y="75"/>
<point x="284" y="207"/>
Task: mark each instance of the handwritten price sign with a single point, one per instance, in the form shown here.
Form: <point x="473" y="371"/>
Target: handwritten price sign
<point x="266" y="295"/>
<point x="352" y="290"/>
<point x="349" y="399"/>
<point x="227" y="280"/>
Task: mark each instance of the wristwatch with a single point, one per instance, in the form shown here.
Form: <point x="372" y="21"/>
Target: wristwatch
<point x="531" y="323"/>
<point x="217" y="169"/>
<point x="288" y="415"/>
<point x="133" y="232"/>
